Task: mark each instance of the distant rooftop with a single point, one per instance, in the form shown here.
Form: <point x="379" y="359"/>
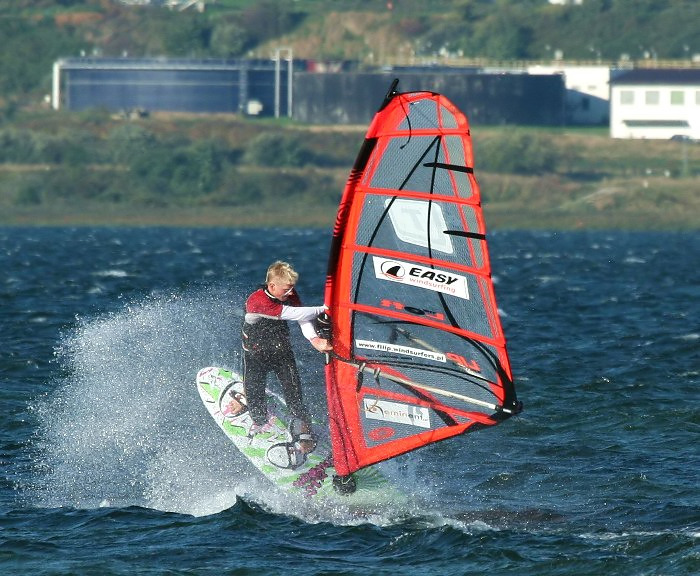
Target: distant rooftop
<point x="658" y="76"/>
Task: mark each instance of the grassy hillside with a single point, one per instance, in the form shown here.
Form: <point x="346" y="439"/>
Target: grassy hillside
<point x="90" y="168"/>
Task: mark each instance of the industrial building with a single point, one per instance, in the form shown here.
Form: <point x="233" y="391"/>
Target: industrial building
<point x="175" y="85"/>
<point x="284" y="87"/>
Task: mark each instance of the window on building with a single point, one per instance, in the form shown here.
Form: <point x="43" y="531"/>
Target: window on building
<point x="677" y="97"/>
<point x="651" y="97"/>
<point x="627" y="97"/>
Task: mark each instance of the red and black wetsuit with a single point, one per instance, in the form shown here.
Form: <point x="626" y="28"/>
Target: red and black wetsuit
<point x="267" y="348"/>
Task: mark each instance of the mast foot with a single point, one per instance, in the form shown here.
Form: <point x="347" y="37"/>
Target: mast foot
<point x="344" y="485"/>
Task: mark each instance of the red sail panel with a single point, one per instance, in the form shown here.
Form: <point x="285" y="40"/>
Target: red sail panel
<point x="419" y="352"/>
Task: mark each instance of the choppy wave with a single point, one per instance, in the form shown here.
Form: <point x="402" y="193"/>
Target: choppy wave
<point x="112" y="466"/>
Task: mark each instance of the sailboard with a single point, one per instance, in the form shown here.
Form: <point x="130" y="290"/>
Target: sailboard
<point x="419" y="351"/>
<point x="223" y="395"/>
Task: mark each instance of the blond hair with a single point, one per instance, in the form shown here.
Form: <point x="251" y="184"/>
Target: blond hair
<point x="282" y="271"/>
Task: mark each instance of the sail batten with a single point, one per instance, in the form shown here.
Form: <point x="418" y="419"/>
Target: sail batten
<point x="419" y="352"/>
<point x="430" y="196"/>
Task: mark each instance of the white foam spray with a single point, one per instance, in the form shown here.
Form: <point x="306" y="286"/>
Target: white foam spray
<point x="125" y="426"/>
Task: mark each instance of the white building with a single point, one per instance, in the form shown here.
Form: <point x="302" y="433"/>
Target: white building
<point x="587" y="91"/>
<point x="655" y="103"/>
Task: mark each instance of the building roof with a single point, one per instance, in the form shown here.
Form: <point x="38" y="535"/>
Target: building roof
<point x="678" y="76"/>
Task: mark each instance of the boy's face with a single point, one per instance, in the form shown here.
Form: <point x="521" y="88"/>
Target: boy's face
<point x="279" y="288"/>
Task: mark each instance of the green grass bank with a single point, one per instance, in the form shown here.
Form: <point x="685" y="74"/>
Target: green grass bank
<point x="94" y="169"/>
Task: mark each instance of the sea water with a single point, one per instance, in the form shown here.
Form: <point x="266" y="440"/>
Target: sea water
<point x="111" y="465"/>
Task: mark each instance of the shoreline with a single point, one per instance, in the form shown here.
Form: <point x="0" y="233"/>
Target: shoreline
<point x="497" y="217"/>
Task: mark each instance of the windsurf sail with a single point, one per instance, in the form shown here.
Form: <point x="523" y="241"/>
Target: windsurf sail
<point x="419" y="351"/>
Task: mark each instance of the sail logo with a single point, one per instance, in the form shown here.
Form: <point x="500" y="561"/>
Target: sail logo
<point x="396" y="349"/>
<point x="421" y="276"/>
<point x="386" y="411"/>
<point x="393" y="271"/>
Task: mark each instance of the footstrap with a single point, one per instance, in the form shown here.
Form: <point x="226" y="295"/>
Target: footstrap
<point x="286" y="455"/>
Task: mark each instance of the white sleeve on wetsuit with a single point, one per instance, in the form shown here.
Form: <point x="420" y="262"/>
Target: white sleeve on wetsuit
<point x="300" y="313"/>
<point x="303" y="315"/>
<point x="308" y="330"/>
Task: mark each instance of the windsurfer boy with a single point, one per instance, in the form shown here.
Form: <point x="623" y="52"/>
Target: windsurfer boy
<point x="267" y="348"/>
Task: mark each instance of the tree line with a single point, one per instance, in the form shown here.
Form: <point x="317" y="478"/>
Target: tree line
<point x="37" y="32"/>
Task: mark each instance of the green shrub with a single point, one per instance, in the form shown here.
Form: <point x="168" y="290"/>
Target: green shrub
<point x="30" y="192"/>
<point x="76" y="148"/>
<point x="18" y="146"/>
<point x="278" y="149"/>
<point x="208" y="157"/>
<point x="128" y="142"/>
<point x="518" y="153"/>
